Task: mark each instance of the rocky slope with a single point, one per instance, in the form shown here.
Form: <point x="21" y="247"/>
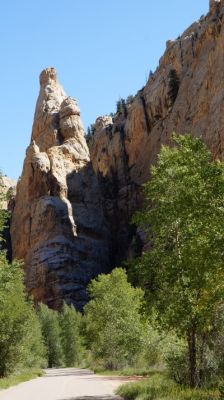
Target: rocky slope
<point x="58" y="227"/>
<point x="72" y="217"/>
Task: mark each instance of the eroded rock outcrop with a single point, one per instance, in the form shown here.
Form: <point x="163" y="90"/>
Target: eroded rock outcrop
<point x="186" y="95"/>
<point x="58" y="228"/>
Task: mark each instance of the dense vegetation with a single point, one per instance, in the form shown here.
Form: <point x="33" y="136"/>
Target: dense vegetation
<point x="61" y="335"/>
<point x="20" y="335"/>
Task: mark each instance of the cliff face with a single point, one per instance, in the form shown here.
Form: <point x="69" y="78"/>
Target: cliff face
<point x="58" y="226"/>
<point x="7" y="201"/>
<point x="72" y="218"/>
<point x="185" y="95"/>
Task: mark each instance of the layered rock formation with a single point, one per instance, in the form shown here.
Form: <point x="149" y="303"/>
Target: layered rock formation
<point x="58" y="226"/>
<point x="72" y="217"/>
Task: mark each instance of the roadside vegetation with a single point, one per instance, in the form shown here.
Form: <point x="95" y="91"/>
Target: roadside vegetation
<point x="19" y="377"/>
<point x="164" y="319"/>
<point x="159" y="387"/>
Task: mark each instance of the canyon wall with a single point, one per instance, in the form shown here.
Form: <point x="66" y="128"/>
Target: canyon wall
<point x="72" y="218"/>
<point x="185" y="95"/>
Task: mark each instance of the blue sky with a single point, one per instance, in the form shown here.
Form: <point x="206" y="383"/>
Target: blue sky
<point x="102" y="50"/>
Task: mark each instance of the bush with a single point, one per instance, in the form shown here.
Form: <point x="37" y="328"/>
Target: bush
<point x="177" y="365"/>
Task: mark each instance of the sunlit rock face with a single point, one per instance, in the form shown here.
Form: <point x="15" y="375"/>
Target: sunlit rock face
<point x="185" y="94"/>
<point x="58" y="227"/>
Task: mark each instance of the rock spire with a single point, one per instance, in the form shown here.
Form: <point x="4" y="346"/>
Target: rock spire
<point x="58" y="228"/>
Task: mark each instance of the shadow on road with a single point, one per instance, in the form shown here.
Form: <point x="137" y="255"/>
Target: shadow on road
<point x="115" y="378"/>
<point x="94" y="398"/>
<point x="52" y="373"/>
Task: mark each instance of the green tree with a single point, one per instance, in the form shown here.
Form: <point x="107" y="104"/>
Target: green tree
<point x="17" y="321"/>
<point x="121" y="105"/>
<point x="34" y="352"/>
<point x="70" y="321"/>
<point x="130" y="99"/>
<point x="113" y="319"/>
<point x="183" y="217"/>
<point x="49" y="320"/>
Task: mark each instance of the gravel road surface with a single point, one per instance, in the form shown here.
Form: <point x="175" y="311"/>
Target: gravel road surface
<point x="65" y="384"/>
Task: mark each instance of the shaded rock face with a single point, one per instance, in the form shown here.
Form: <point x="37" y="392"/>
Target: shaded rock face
<point x="121" y="194"/>
<point x="185" y="95"/>
<point x="58" y="227"/>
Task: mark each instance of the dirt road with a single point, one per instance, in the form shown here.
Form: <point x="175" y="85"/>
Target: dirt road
<point x="65" y="384"/>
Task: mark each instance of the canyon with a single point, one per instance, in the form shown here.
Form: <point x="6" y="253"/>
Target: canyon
<point x="72" y="214"/>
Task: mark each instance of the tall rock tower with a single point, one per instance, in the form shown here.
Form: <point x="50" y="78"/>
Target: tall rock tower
<point x="58" y="228"/>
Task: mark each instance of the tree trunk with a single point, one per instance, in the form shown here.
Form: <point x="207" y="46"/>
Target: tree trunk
<point x="201" y="359"/>
<point x="192" y="357"/>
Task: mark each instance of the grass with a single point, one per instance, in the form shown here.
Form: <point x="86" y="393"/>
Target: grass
<point x="159" y="387"/>
<point x="19" y="377"/>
